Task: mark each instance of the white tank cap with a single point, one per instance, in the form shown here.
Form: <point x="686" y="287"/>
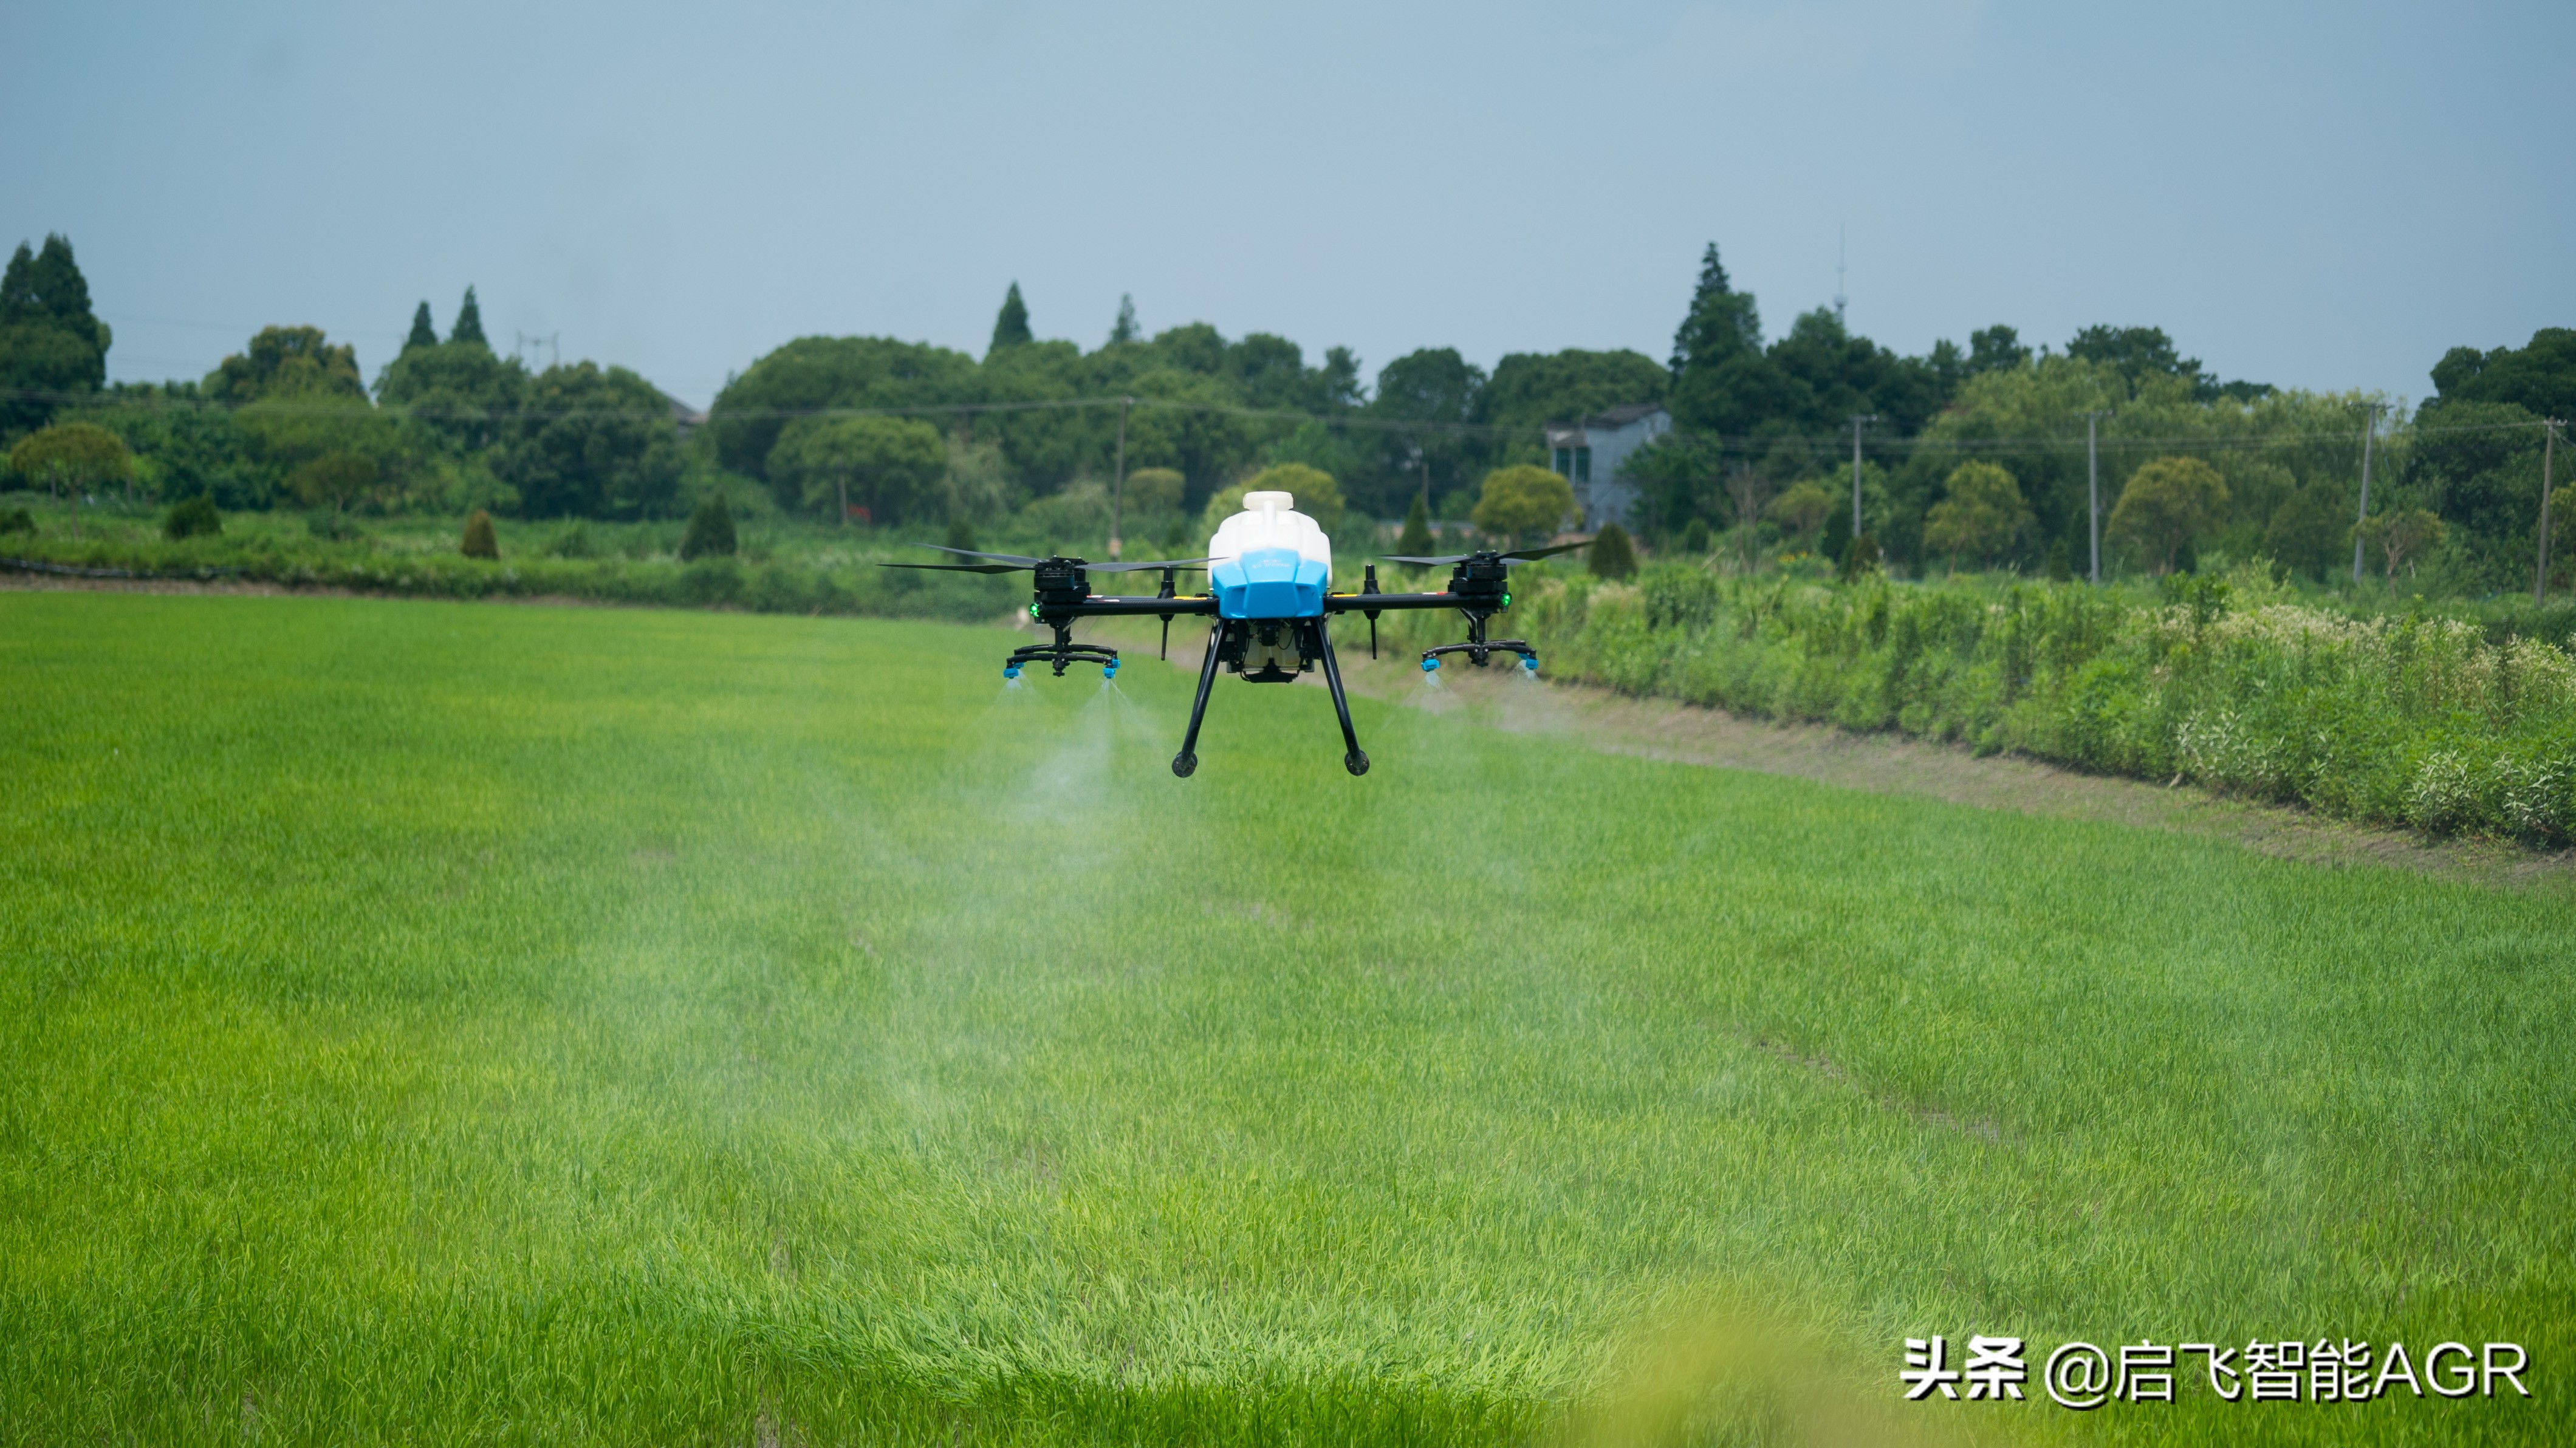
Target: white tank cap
<point x="1256" y="502"/>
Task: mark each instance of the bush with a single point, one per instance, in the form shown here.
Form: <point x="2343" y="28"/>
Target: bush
<point x="17" y="520"/>
<point x="480" y="540"/>
<point x="710" y="531"/>
<point x="1611" y="555"/>
<point x="194" y="518"/>
<point x="573" y="542"/>
<point x="333" y="527"/>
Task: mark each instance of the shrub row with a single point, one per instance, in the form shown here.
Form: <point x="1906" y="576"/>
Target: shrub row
<point x="2414" y="720"/>
<point x="711" y="581"/>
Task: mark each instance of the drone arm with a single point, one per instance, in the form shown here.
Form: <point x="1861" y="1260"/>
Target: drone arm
<point x="1108" y="606"/>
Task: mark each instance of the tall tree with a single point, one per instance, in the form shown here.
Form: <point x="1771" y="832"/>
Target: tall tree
<point x="1720" y="323"/>
<point x="469" y="322"/>
<point x="51" y="346"/>
<point x="1123" y="331"/>
<point x="1011" y="326"/>
<point x="591" y="444"/>
<point x="422" y="333"/>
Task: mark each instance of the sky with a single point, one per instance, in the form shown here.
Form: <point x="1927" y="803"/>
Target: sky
<point x="2317" y="196"/>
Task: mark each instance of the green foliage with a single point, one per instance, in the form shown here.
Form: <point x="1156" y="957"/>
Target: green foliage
<point x="591" y="444"/>
<point x="960" y="535"/>
<point x="422" y="333"/>
<point x="1152" y="490"/>
<point x="1317" y="495"/>
<point x="1011" y="324"/>
<point x="710" y="531"/>
<point x="814" y="374"/>
<point x="458" y="392"/>
<point x="2539" y="377"/>
<point x="884" y="465"/>
<point x="192" y="518"/>
<point x="2412" y="720"/>
<point x="1124" y="329"/>
<point x="17" y="520"/>
<point x="1530" y="389"/>
<point x="287" y="362"/>
<point x="2061" y="562"/>
<point x="1981" y="515"/>
<point x="1864" y="561"/>
<point x="72" y="458"/>
<point x="1695" y="538"/>
<point x="1611" y="555"/>
<point x="333" y="480"/>
<point x="1416" y="537"/>
<point x="480" y="539"/>
<point x="1803" y="509"/>
<point x="53" y="348"/>
<point x="2400" y="536"/>
<point x="1523" y="500"/>
<point x="468" y="331"/>
<point x="2168" y="504"/>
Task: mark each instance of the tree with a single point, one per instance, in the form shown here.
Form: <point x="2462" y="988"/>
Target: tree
<point x="1610" y="554"/>
<point x="1318" y="496"/>
<point x="1416" y="537"/>
<point x="1523" y="500"/>
<point x="2400" y="535"/>
<point x="72" y="457"/>
<point x="818" y="374"/>
<point x="1721" y="322"/>
<point x="458" y="393"/>
<point x="1802" y="509"/>
<point x="422" y="333"/>
<point x="1528" y="389"/>
<point x="1980" y="517"/>
<point x="1011" y="326"/>
<point x="481" y="541"/>
<point x="287" y="362"/>
<point x="335" y="479"/>
<point x="711" y="531"/>
<point x="1994" y="349"/>
<point x="884" y="466"/>
<point x="52" y="347"/>
<point x="2168" y="503"/>
<point x="2303" y="532"/>
<point x="1120" y="332"/>
<point x="591" y="443"/>
<point x="2539" y="377"/>
<point x="468" y="330"/>
<point x="1153" y="490"/>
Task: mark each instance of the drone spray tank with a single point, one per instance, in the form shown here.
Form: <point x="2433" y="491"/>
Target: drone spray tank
<point x="1271" y="566"/>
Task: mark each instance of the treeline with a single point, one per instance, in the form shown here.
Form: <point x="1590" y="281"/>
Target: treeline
<point x="1975" y="456"/>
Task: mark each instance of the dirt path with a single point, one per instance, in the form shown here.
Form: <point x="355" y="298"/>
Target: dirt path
<point x="1894" y="764"/>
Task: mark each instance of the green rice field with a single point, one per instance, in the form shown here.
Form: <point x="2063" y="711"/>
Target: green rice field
<point x="434" y="1023"/>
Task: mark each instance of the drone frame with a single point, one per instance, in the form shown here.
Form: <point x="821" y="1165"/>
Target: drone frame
<point x="1479" y="588"/>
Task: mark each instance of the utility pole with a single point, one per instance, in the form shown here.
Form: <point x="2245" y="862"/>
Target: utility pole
<point x="1857" y="424"/>
<point x="2548" y="456"/>
<point x="2093" y="485"/>
<point x="1118" y="482"/>
<point x="2369" y="425"/>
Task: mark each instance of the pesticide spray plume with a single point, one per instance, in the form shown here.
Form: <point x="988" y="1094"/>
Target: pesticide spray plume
<point x="1722" y="1369"/>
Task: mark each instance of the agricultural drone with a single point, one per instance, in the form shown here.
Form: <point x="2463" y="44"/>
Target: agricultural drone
<point x="1270" y="573"/>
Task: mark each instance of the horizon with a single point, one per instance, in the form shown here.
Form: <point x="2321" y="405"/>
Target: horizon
<point x="680" y="201"/>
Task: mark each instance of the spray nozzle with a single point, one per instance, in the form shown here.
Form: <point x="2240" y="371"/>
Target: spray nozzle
<point x="1010" y="671"/>
<point x="1428" y="665"/>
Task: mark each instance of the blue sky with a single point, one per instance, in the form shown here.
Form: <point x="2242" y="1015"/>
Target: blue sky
<point x="2317" y="196"/>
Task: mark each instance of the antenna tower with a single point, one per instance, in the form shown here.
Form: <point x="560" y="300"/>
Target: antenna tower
<point x="1839" y="299"/>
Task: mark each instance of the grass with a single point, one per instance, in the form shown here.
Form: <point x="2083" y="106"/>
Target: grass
<point x="422" y="1023"/>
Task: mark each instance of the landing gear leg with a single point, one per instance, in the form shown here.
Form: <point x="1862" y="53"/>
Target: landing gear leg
<point x="1186" y="763"/>
<point x="1356" y="761"/>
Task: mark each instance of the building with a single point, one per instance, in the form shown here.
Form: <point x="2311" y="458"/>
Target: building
<point x="1589" y="454"/>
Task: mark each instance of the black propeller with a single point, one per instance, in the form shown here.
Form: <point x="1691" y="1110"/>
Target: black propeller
<point x="1014" y="563"/>
<point x="1518" y="555"/>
